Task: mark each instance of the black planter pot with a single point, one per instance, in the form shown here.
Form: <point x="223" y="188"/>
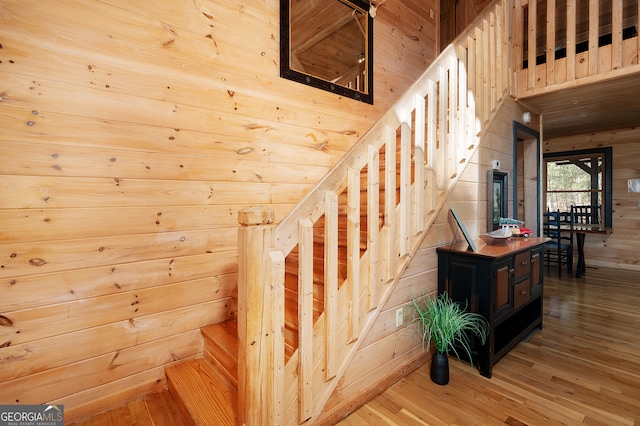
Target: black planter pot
<point x="439" y="368"/>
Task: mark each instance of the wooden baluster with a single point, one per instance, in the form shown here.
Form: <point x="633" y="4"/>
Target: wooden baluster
<point x="330" y="282"/>
<point x="305" y="320"/>
<point x="551" y="41"/>
<point x="405" y="184"/>
<point x="432" y="124"/>
<point x="495" y="57"/>
<point x="373" y="222"/>
<point x="275" y="408"/>
<point x="518" y="42"/>
<point x="594" y="30"/>
<point x="454" y="136"/>
<point x="506" y="52"/>
<point x="478" y="61"/>
<point x="472" y="119"/>
<point x="486" y="58"/>
<point x="616" y="34"/>
<point x="571" y="40"/>
<point x="353" y="251"/>
<point x="390" y="201"/>
<point x="532" y="43"/>
<point x="463" y="118"/>
<point x="419" y="195"/>
<point x="443" y="134"/>
<point x="520" y="73"/>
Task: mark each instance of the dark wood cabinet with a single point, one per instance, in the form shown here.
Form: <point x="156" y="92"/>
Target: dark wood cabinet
<point x="504" y="284"/>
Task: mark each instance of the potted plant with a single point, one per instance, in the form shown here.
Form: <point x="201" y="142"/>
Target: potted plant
<point x="448" y="325"/>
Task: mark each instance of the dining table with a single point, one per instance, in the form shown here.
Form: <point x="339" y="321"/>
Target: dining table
<point x="581" y="230"/>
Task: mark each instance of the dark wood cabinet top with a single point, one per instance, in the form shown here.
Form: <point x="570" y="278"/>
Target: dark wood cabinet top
<point x="512" y="246"/>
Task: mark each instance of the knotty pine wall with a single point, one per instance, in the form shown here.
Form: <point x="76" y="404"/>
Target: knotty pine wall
<point x="132" y="133"/>
<point x="389" y="353"/>
<point x="621" y="248"/>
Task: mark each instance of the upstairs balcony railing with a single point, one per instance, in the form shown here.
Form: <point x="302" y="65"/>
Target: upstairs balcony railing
<point x="561" y="43"/>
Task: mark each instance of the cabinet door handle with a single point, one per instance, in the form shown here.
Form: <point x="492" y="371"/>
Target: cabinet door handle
<point x="524" y="292"/>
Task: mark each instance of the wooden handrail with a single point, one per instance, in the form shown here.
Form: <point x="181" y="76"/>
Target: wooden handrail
<point x="354" y="233"/>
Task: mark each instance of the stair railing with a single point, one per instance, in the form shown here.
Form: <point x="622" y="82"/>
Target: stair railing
<point x="312" y="286"/>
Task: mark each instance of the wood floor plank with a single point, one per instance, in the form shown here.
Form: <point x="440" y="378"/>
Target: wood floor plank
<point x="582" y="368"/>
<point x="162" y="410"/>
<point x="139" y="413"/>
<point x="103" y="419"/>
<point x="121" y="416"/>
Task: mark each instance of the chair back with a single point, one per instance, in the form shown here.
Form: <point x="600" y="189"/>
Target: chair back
<point x="566" y="218"/>
<point x="585" y="215"/>
<point x="552" y="223"/>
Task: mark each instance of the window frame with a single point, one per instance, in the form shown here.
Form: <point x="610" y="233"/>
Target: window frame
<point x="607" y="174"/>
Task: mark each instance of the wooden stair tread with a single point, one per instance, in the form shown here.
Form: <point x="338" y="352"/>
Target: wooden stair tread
<point x="221" y="348"/>
<point x="224" y="335"/>
<point x="204" y="396"/>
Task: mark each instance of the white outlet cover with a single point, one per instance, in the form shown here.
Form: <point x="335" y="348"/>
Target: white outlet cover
<point x="399" y="317"/>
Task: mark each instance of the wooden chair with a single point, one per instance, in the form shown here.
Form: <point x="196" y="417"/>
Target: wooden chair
<point x="558" y="250"/>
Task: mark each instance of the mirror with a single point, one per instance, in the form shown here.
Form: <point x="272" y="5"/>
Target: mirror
<point x="496" y="199"/>
<point x="328" y="44"/>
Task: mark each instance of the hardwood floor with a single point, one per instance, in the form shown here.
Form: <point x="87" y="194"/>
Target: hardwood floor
<point x="153" y="410"/>
<point x="582" y="368"/>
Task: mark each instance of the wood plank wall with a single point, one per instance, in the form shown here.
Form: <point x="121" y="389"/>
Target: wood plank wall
<point x="386" y="347"/>
<point x="131" y="136"/>
<point x="621" y="248"/>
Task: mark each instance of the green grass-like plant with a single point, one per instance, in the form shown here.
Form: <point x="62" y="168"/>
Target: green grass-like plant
<point x="447" y="324"/>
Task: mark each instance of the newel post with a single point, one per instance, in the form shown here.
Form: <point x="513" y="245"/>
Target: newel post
<point x="260" y="329"/>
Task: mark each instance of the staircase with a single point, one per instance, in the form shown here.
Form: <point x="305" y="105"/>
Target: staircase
<point x="206" y="389"/>
<point x="311" y="287"/>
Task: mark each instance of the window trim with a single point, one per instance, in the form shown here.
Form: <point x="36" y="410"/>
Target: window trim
<point x="607" y="176"/>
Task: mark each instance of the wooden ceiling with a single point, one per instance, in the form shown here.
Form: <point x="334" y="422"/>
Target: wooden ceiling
<point x="603" y="106"/>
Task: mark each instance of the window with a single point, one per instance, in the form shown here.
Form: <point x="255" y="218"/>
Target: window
<point x="580" y="178"/>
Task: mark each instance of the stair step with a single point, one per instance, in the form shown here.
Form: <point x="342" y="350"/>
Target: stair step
<point x="204" y="396"/>
<point x="221" y="348"/>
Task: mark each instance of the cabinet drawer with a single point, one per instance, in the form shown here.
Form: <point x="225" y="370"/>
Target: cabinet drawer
<point x="521" y="293"/>
<point x="522" y="261"/>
